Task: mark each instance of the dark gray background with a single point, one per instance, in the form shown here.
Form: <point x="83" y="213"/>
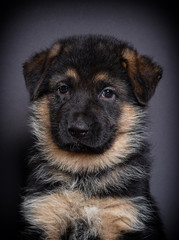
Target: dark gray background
<point x="29" y="28"/>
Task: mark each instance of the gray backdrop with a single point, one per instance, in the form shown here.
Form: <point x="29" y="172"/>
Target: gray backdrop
<point x="29" y="28"/>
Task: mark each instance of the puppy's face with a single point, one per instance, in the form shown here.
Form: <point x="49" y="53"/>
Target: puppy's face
<point x="84" y="110"/>
<point x="88" y="81"/>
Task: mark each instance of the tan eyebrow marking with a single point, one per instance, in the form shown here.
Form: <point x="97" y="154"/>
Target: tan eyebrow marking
<point x="100" y="76"/>
<point x="71" y="72"/>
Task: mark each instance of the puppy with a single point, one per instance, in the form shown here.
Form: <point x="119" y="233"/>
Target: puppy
<point x="91" y="168"/>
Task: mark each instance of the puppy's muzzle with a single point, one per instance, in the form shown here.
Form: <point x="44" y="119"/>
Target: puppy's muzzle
<point x="78" y="127"/>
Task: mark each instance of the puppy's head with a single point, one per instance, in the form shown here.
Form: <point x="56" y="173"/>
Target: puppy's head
<point x="88" y="92"/>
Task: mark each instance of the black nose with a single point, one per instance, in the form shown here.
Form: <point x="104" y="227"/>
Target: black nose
<point x="78" y="128"/>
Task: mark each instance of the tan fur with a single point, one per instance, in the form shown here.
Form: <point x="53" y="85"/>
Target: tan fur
<point x="128" y="118"/>
<point x="131" y="56"/>
<point x="107" y="217"/>
<point x="51" y="213"/>
<point x="79" y="161"/>
<point x="148" y="73"/>
<point x="116" y="216"/>
<point x="54" y="51"/>
<point x="72" y="73"/>
<point x="100" y="76"/>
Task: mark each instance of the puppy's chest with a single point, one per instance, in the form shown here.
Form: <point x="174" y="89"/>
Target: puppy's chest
<point x="105" y="218"/>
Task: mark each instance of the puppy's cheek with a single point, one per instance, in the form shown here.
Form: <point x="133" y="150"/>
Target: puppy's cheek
<point x="61" y="134"/>
<point x="59" y="127"/>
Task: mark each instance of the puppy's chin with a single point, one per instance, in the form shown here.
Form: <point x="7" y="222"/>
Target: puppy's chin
<point x="81" y="148"/>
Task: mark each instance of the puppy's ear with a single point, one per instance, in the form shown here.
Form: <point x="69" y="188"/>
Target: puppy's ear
<point x="35" y="70"/>
<point x="34" y="73"/>
<point x="144" y="74"/>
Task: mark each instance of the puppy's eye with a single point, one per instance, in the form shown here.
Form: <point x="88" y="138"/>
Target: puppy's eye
<point x="63" y="89"/>
<point x="108" y="94"/>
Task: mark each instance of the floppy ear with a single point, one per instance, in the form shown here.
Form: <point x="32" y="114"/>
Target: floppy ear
<point x="34" y="73"/>
<point x="144" y="74"/>
<point x="35" y="70"/>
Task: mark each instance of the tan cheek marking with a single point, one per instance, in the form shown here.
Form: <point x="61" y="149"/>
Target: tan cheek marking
<point x="128" y="118"/>
<point x="78" y="162"/>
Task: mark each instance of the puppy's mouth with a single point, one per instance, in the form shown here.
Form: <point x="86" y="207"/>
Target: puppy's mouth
<point x="88" y="142"/>
<point x="80" y="135"/>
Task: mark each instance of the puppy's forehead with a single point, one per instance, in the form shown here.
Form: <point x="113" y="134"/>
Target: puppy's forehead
<point x="98" y="76"/>
<point x="73" y="74"/>
<point x="87" y="60"/>
<point x="88" y="55"/>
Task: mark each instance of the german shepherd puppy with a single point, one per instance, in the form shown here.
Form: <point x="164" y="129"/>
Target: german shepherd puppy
<point x="91" y="171"/>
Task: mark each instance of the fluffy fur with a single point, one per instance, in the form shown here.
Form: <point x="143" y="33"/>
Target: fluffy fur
<point x="91" y="168"/>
